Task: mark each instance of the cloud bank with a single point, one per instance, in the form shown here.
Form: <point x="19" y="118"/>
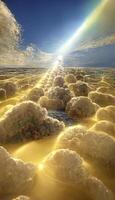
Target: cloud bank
<point x="109" y="40"/>
<point x="9" y="30"/>
<point x="11" y="52"/>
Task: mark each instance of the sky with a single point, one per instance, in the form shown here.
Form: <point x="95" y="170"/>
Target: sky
<point x="50" y="23"/>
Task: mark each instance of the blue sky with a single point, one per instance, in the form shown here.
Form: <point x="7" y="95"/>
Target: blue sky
<point x="49" y="23"/>
<point x="95" y="57"/>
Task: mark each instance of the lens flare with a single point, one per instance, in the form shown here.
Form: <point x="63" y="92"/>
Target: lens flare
<point x="87" y="23"/>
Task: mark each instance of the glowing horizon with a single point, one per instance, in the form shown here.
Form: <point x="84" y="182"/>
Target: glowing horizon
<point x="86" y="24"/>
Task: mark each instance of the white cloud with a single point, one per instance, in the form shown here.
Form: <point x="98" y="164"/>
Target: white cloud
<point x="10" y="38"/>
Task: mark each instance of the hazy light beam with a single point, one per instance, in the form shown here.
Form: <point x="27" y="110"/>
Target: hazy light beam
<point x="88" y="22"/>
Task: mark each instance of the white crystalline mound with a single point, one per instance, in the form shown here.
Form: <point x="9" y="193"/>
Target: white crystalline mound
<point x="107" y="113"/>
<point x="79" y="88"/>
<point x="58" y="81"/>
<point x="98" y="146"/>
<point x="81" y="107"/>
<point x="70" y="137"/>
<point x="26" y="120"/>
<point x="59" y="93"/>
<point x="22" y="198"/>
<point x="16" y="177"/>
<point x="104" y="126"/>
<point x="35" y="94"/>
<point x="97" y="190"/>
<point x="66" y="165"/>
<point x="70" y="78"/>
<point x="102" y="99"/>
<point x="51" y="104"/>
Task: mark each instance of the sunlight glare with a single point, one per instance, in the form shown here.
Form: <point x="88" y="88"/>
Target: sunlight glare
<point x="87" y="23"/>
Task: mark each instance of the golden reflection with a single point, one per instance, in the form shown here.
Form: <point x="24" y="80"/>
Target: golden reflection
<point x="33" y="151"/>
<point x="41" y="166"/>
<point x="43" y="79"/>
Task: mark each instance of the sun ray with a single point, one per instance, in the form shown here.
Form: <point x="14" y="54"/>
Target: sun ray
<point x="86" y="24"/>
